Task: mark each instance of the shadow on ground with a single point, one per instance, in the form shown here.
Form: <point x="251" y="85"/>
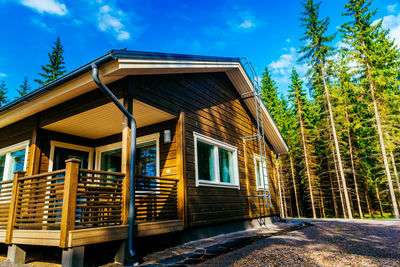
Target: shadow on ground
<point x="377" y="240"/>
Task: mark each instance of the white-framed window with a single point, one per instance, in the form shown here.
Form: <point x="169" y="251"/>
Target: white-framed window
<point x="60" y="152"/>
<point x="13" y="158"/>
<point x="216" y="163"/>
<point x="259" y="173"/>
<point x="108" y="157"/>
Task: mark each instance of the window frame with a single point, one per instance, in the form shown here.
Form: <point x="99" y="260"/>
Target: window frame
<point x="54" y="144"/>
<point x="266" y="176"/>
<point x="7" y="152"/>
<point x="217" y="144"/>
<point x="139" y="140"/>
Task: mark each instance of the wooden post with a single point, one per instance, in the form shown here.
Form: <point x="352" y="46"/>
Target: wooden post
<point x="126" y="160"/>
<point x="13" y="206"/>
<point x="34" y="152"/>
<point x="181" y="164"/>
<point x="69" y="200"/>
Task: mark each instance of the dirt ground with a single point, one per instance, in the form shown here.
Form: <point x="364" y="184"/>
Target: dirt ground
<point x="326" y="243"/>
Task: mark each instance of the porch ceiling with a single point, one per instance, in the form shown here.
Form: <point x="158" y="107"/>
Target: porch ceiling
<point x="106" y="120"/>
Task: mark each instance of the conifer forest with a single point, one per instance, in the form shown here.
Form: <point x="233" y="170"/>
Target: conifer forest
<point x="341" y="120"/>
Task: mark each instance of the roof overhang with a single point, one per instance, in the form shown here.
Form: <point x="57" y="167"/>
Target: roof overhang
<point x="118" y="64"/>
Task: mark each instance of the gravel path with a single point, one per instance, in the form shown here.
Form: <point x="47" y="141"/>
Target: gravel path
<point x="327" y="243"/>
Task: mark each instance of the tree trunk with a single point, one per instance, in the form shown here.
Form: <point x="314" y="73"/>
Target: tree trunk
<point x="382" y="145"/>
<point x="280" y="191"/>
<point x="371" y="212"/>
<point x="352" y="166"/>
<point x="335" y="206"/>
<point x="294" y="186"/>
<point x="379" y="199"/>
<point x="307" y="164"/>
<point x="339" y="187"/>
<point x="395" y="172"/>
<point x="322" y="203"/>
<point x="285" y="207"/>
<point x="339" y="159"/>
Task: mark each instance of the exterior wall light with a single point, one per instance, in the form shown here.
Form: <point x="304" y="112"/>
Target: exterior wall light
<point x="167" y="136"/>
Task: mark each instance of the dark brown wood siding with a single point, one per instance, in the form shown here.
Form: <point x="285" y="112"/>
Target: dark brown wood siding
<point x="18" y="132"/>
<point x="213" y="108"/>
<point x="167" y="151"/>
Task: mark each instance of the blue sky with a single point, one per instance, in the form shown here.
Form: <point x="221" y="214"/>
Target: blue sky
<point x="264" y="31"/>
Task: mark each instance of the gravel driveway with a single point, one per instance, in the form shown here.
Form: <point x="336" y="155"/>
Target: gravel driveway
<point x="327" y="243"/>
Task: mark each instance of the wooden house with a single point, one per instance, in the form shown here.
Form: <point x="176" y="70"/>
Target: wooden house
<point x="64" y="152"/>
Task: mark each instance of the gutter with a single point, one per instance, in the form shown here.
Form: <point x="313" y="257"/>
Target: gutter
<point x="107" y="91"/>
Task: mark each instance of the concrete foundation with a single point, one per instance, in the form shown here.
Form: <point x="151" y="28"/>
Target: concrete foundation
<point x="16" y="255"/>
<point x="73" y="257"/>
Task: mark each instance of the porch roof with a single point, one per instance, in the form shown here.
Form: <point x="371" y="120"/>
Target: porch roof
<point x="119" y="63"/>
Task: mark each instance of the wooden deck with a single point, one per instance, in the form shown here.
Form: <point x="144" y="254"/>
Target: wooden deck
<point x="76" y="207"/>
<point x="89" y="236"/>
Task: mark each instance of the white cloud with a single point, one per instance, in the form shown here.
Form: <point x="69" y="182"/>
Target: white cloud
<point x="111" y="20"/>
<point x="247" y="24"/>
<point x="391" y="8"/>
<point x="392" y="23"/>
<point x="46" y="6"/>
<point x="244" y="20"/>
<point x="285" y="62"/>
<point x="2" y="75"/>
<point x="282" y="67"/>
<point x="123" y="35"/>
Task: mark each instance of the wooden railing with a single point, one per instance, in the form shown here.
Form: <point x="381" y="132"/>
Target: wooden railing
<point x="156" y="198"/>
<point x="39" y="201"/>
<point x="5" y="198"/>
<point x="73" y="199"/>
<point x="99" y="199"/>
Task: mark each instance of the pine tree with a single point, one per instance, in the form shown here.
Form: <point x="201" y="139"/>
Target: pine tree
<point x="3" y="93"/>
<point x="24" y="87"/>
<point x="343" y="95"/>
<point x="269" y="94"/>
<point x="55" y="68"/>
<point x="377" y="57"/>
<point x="300" y="103"/>
<point x="316" y="52"/>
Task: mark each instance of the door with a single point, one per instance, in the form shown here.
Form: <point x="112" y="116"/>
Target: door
<point x="62" y="154"/>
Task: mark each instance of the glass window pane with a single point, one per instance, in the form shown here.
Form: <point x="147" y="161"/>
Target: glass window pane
<point x="17" y="161"/>
<point x="146" y="159"/>
<point x="205" y="161"/>
<point x="146" y="164"/>
<point x="225" y="165"/>
<point x="258" y="173"/>
<point x="2" y="166"/>
<point x="111" y="160"/>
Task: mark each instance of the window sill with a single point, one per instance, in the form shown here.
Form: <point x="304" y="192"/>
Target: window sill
<point x="221" y="185"/>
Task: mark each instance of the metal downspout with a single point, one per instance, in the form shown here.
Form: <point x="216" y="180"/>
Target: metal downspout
<point x="107" y="91"/>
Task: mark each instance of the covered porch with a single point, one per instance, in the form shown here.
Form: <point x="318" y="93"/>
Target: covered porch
<point x="76" y="191"/>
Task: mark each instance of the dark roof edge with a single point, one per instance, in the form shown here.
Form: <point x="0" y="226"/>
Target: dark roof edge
<point x="106" y="58"/>
<point x="157" y="55"/>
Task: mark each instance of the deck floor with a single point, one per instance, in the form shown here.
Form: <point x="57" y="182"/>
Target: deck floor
<point x="81" y="237"/>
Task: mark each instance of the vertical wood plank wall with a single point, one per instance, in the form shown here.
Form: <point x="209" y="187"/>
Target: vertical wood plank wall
<point x="212" y="107"/>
